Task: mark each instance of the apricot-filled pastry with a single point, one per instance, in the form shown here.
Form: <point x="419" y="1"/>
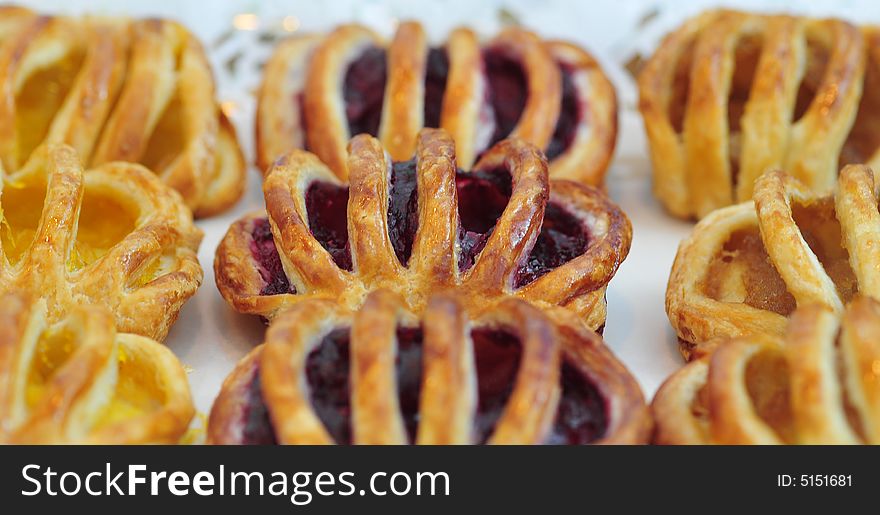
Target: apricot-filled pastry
<point x="513" y="375"/>
<point x="422" y="226"/>
<point x="819" y="383"/>
<point x="78" y="381"/>
<point x="318" y="91"/>
<point x="114" y="236"/>
<point x="117" y="89"/>
<point x="730" y="95"/>
<point x="745" y="268"/>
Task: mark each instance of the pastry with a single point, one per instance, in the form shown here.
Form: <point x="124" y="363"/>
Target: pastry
<point x="730" y="95"/>
<point x="350" y="81"/>
<point x="817" y="384"/>
<point x="79" y="381"/>
<point x="745" y="268"/>
<point x="113" y="236"/>
<point x="117" y="90"/>
<point x="514" y="375"/>
<point x="421" y="226"/>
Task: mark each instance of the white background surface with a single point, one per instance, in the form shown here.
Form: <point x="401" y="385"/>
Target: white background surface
<point x="209" y="337"/>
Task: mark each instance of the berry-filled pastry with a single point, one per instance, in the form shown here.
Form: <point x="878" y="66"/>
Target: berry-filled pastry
<point x="422" y="226"/>
<point x="319" y="91"/>
<point x="78" y="381"/>
<point x="729" y="95"/>
<point x="513" y="375"/>
<point x="819" y="383"/>
<point x="113" y="236"/>
<point x="117" y="89"/>
<point x="745" y="268"/>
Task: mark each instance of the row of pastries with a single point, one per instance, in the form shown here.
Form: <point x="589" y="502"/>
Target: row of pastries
<point x="436" y="244"/>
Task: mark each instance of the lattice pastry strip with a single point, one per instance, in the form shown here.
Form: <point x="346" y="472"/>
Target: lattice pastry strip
<point x="113" y="236"/>
<point x="420" y="226"/>
<point x="817" y="385"/>
<point x="730" y="95"/>
<point x="383" y="376"/>
<point x="350" y="81"/>
<point x="78" y="381"/>
<point x="119" y="90"/>
<point x="746" y="267"/>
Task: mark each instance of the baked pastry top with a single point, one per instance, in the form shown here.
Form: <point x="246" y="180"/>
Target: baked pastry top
<point x="422" y="226"/>
<point x="113" y="236"/>
<point x="78" y="381"/>
<point x="117" y="89"/>
<point x="730" y="95"/>
<point x="514" y="375"/>
<point x="817" y="384"/>
<point x="745" y="268"/>
<point x="549" y="93"/>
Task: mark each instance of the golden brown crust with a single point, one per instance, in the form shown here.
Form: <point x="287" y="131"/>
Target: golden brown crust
<point x="433" y="265"/>
<point x="466" y="111"/>
<point x="815" y="264"/>
<point x="799" y="388"/>
<point x="143" y="276"/>
<point x="448" y="396"/>
<point x="119" y="89"/>
<point x="98" y="387"/>
<point x="714" y="128"/>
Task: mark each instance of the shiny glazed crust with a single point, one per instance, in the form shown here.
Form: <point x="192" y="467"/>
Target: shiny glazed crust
<point x="312" y="67"/>
<point x="143" y="279"/>
<point x="697" y="317"/>
<point x="139" y="91"/>
<point x="96" y="392"/>
<point x="447" y="402"/>
<point x="818" y="385"/>
<point x="578" y="284"/>
<point x="692" y="167"/>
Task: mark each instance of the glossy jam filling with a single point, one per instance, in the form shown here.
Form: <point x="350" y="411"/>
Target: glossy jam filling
<point x="569" y="116"/>
<point x="265" y="254"/>
<point x="582" y="416"/>
<point x="327" y="374"/>
<point x="256" y="426"/>
<point x="482" y="197"/>
<point x="436" y="73"/>
<point x="563" y="237"/>
<point x="864" y="137"/>
<point x="363" y="91"/>
<point x="497" y="355"/>
<point x="327" y="207"/>
<point x="508" y="91"/>
<point x="403" y="208"/>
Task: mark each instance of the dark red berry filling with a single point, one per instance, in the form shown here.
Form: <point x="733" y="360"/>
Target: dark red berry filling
<point x="409" y="376"/>
<point x="257" y="427"/>
<point x="482" y="197"/>
<point x="268" y="262"/>
<point x="327" y="370"/>
<point x="497" y="354"/>
<point x="436" y="73"/>
<point x="563" y="237"/>
<point x="403" y="208"/>
<point x="363" y="90"/>
<point x="582" y="415"/>
<point x="327" y="207"/>
<point x="508" y="91"/>
<point x="569" y="116"/>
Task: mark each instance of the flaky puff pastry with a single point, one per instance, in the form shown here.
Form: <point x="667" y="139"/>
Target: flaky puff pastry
<point x="745" y="268"/>
<point x="78" y="381"/>
<point x="552" y="94"/>
<point x="514" y="375"/>
<point x="730" y="95"/>
<point x="118" y="90"/>
<point x="817" y="384"/>
<point x="113" y="236"/>
<point x="514" y="233"/>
